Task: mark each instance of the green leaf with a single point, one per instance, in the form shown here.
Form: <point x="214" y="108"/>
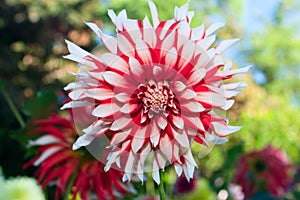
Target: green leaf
<point x="40" y="106"/>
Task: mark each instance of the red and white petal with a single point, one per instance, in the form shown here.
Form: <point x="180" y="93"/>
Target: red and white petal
<point x="46" y="154"/>
<point x="149" y="35"/>
<point x="139" y="139"/>
<point x="143" y="52"/>
<point x="119" y="137"/>
<point x="155" y="134"/>
<point x="115" y="62"/>
<point x="125" y="46"/>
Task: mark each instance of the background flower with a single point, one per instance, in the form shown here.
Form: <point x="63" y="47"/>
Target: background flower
<point x="264" y="170"/>
<point x="21" y="188"/>
<point x="155" y="92"/>
<point x="77" y="173"/>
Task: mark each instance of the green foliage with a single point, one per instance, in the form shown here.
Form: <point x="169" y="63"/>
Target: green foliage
<point x="39" y="107"/>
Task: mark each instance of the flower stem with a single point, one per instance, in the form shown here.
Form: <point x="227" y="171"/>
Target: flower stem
<point x="71" y="182"/>
<point x="162" y="192"/>
<point x="150" y="186"/>
<point x="13" y="108"/>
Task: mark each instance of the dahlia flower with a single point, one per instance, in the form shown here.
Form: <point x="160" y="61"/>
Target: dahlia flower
<point x="59" y="163"/>
<point x="267" y="169"/>
<point x="154" y="92"/>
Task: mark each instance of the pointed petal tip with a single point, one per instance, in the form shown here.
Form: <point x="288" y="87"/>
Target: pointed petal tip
<point x="75" y="147"/>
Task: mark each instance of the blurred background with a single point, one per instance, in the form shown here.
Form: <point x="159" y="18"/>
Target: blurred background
<point x="33" y="74"/>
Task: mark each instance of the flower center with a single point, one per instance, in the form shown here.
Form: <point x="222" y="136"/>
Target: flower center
<point x="156" y="97"/>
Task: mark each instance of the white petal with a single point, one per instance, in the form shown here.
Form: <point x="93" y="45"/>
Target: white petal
<point x="235" y="71"/>
<point x="155" y="135"/>
<point x="181" y="13"/>
<point x="190" y="16"/>
<point x="166" y="147"/>
<point x="119" y="124"/>
<point x="76" y="50"/>
<point x="138" y="139"/>
<point x="149" y="33"/>
<point x="161" y="160"/>
<point x="233" y="86"/>
<point x="167" y="43"/>
<point x="203" y="60"/>
<point x="189" y="157"/>
<point x="135" y="67"/>
<point x="193" y="106"/>
<point x="215" y="139"/>
<point x="154" y="13"/>
<point x="114" y="79"/>
<point x="157" y="71"/>
<point x="81" y="60"/>
<point x="161" y="122"/>
<point x="83" y="140"/>
<point x="76" y="94"/>
<point x="75" y="104"/>
<point x="212" y="28"/>
<point x="178" y="121"/>
<point x="104" y="110"/>
<point x="155" y="172"/>
<point x="224" y="130"/>
<point x="119" y="137"/>
<point x="197" y="33"/>
<point x="122" y="97"/>
<point x="125" y="46"/>
<point x="143" y="51"/>
<point x="226" y="44"/>
<point x="179" y="86"/>
<point x="178" y="169"/>
<point x="112" y="15"/>
<point x="186" y="53"/>
<point x="181" y="138"/>
<point x="128" y="108"/>
<point x="109" y="41"/>
<point x="44" y="140"/>
<point x="171" y="58"/>
<point x="75" y="85"/>
<point x="99" y="93"/>
<point x="207" y="42"/>
<point x="129" y="165"/>
<point x="188" y="94"/>
<point x="196" y="76"/>
<point x="115" y="62"/>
